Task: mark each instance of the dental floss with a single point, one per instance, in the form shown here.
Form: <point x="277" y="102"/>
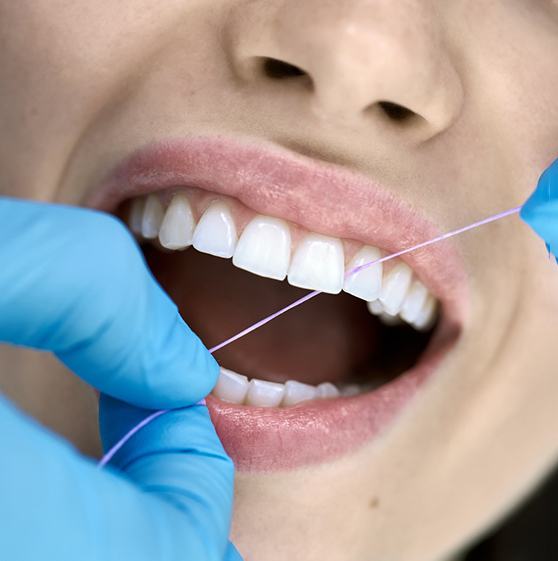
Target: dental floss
<point x="108" y="456"/>
<point x="114" y="449"/>
<point x="311" y="295"/>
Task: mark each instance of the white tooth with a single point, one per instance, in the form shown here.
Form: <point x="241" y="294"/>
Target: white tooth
<point x="375" y="307"/>
<point x="231" y="387"/>
<point x="350" y="390"/>
<point x="367" y="283"/>
<point x="295" y="392"/>
<point x="264" y="248"/>
<point x="216" y="232"/>
<point x="264" y="394"/>
<point x="395" y="287"/>
<point x="390" y="320"/>
<point x="427" y="315"/>
<point x="327" y="390"/>
<point x="414" y="301"/>
<point x="135" y="217"/>
<point x="318" y="264"/>
<point x="152" y="217"/>
<point x="178" y="224"/>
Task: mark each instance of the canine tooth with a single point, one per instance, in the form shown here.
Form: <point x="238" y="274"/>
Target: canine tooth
<point x="414" y="302"/>
<point x="395" y="287"/>
<point x="295" y="392"/>
<point x="375" y="307"/>
<point x="326" y="390"/>
<point x="264" y="248"/>
<point x="367" y="283"/>
<point x="216" y="232"/>
<point x="231" y="387"/>
<point x="152" y="217"/>
<point x="135" y="217"/>
<point x="264" y="394"/>
<point x="318" y="264"/>
<point x="178" y="224"/>
<point x="427" y="315"/>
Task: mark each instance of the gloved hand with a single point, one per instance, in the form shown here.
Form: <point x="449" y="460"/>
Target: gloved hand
<point x="541" y="210"/>
<point x="73" y="282"/>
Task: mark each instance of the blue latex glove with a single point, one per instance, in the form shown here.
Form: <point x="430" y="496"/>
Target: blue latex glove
<point x="73" y="282"/>
<point x="541" y="210"/>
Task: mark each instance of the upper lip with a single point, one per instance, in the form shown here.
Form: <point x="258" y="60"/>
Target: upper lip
<point x="321" y="197"/>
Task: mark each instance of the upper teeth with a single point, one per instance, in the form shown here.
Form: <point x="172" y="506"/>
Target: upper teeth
<point x="236" y="388"/>
<point x="318" y="264"/>
<point x="265" y="248"/>
<point x="216" y="232"/>
<point x="177" y="228"/>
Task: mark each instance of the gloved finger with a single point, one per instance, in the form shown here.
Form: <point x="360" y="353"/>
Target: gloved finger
<point x="541" y="209"/>
<point x="75" y="283"/>
<point x="544" y="220"/>
<point x="177" y="456"/>
<point x="56" y="504"/>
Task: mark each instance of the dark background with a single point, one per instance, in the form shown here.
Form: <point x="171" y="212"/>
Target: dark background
<point x="530" y="534"/>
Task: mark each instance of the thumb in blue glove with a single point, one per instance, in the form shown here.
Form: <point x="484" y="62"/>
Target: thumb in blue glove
<point x="541" y="209"/>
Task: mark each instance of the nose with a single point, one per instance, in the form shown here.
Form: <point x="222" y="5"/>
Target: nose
<point x="376" y="60"/>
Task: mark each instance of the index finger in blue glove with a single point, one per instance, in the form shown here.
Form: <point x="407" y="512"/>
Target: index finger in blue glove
<point x="541" y="209"/>
<point x="75" y="283"/>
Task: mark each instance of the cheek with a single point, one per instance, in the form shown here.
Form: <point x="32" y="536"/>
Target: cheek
<point x="61" y="65"/>
<point x="512" y="75"/>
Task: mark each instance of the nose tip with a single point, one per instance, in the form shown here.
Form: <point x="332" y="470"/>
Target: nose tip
<point x="353" y="63"/>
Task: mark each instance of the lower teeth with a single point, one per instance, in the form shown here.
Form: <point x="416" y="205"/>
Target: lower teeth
<point x="236" y="388"/>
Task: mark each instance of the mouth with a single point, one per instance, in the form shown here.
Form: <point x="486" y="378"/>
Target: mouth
<point x="234" y="231"/>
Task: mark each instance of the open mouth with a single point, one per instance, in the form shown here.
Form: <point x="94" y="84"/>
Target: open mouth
<point x="320" y="380"/>
<point x="373" y="327"/>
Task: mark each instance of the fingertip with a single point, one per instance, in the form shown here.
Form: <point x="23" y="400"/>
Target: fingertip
<point x="534" y="209"/>
<point x="184" y="371"/>
<point x="199" y="370"/>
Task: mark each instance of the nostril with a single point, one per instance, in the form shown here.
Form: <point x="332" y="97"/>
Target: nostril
<point x="279" y="70"/>
<point x="396" y="112"/>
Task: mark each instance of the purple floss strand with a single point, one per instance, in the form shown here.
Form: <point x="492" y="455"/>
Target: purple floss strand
<point x="311" y="295"/>
<point x="114" y="449"/>
<point x="109" y="455"/>
<point x="265" y="320"/>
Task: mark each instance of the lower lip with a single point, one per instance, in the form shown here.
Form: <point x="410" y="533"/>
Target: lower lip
<point x="279" y="439"/>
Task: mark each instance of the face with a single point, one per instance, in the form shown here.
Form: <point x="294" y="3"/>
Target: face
<point x="300" y="138"/>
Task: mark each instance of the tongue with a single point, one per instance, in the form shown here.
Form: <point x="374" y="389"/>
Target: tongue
<point x="331" y="338"/>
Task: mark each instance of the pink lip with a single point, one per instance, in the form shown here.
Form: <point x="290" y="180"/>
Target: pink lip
<point x="322" y="198"/>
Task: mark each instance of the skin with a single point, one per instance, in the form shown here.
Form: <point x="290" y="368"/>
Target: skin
<point x="84" y="83"/>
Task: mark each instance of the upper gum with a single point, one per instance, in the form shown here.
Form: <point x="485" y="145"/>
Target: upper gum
<point x="200" y="200"/>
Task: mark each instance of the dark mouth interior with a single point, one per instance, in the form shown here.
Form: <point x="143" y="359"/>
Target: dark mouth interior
<point x="332" y="338"/>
